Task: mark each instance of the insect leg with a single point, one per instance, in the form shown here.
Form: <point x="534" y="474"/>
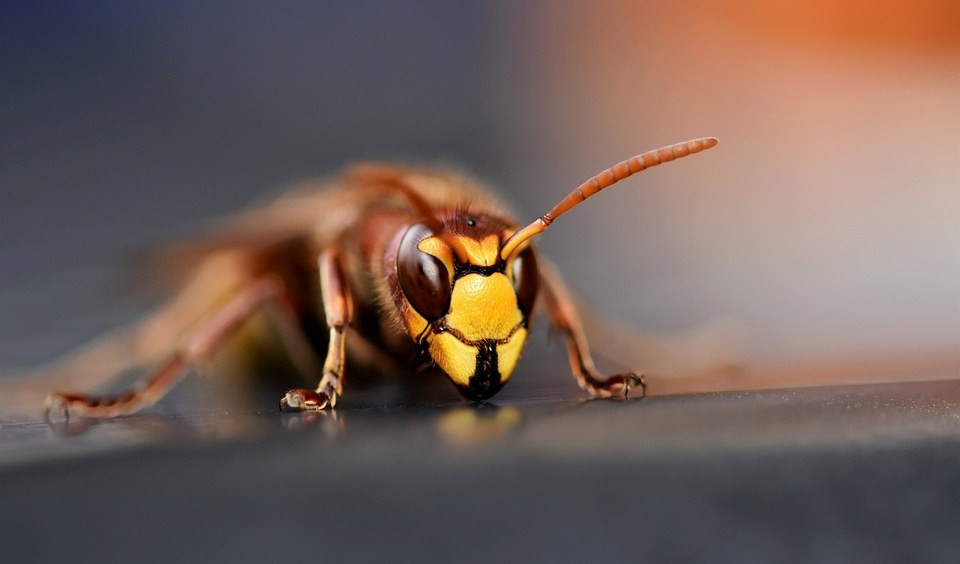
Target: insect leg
<point x="338" y="308"/>
<point x="563" y="316"/>
<point x="198" y="345"/>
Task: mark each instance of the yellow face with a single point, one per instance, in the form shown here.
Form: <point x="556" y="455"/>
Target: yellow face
<point x="477" y="341"/>
<point x="484" y="334"/>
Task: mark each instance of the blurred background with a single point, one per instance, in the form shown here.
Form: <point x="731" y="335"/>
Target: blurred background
<point x="825" y="226"/>
<point x="819" y="243"/>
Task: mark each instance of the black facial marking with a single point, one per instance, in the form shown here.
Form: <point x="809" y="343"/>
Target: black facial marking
<point x="485" y="381"/>
<point x="487" y="362"/>
<point x="462" y="269"/>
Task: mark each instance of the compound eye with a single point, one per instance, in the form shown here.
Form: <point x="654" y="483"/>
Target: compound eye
<point x="526" y="280"/>
<point x="423" y="277"/>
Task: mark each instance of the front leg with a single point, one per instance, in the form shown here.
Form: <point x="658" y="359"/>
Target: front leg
<point x="564" y="318"/>
<point x="338" y="308"/>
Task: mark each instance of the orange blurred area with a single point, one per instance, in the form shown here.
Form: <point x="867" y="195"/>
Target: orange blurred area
<point x="824" y="229"/>
<point x="928" y="26"/>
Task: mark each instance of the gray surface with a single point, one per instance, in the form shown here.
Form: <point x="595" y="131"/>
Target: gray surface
<point x="866" y="474"/>
<point x="126" y="124"/>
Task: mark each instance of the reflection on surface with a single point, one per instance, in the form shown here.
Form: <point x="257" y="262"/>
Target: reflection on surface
<point x="328" y="422"/>
<point x="691" y="423"/>
<point x="469" y="424"/>
<point x="154" y="427"/>
<point x="478" y="424"/>
<point x="186" y="418"/>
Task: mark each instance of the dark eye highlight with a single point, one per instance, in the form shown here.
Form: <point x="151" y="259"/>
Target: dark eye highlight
<point x="526" y="280"/>
<point x="423" y="278"/>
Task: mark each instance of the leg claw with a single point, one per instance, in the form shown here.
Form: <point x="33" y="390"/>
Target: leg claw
<point x="620" y="386"/>
<point x="55" y="408"/>
<point x="304" y="400"/>
<point x="634" y="380"/>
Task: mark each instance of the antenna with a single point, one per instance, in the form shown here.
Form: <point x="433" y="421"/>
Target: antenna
<point x="602" y="180"/>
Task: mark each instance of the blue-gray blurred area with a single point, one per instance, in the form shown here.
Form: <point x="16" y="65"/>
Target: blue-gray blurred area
<point x="124" y="122"/>
<point x="822" y="232"/>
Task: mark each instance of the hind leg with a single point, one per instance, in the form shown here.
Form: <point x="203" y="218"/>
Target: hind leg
<point x="197" y="346"/>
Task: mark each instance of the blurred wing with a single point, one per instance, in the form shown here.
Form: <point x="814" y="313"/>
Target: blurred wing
<point x="316" y="211"/>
